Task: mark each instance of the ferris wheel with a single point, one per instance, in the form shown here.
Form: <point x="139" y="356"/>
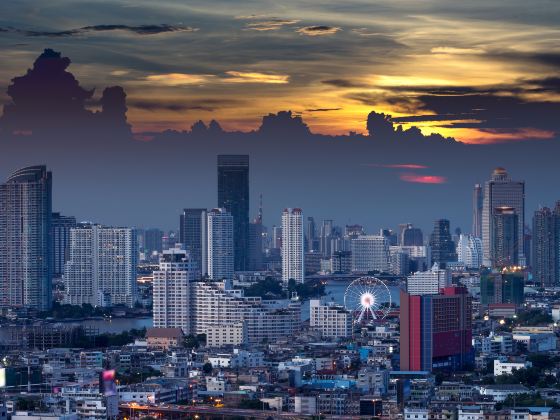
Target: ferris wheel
<point x="367" y="298"/>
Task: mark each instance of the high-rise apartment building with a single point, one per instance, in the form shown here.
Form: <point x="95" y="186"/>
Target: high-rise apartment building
<point x="441" y="243"/>
<point x="505" y="239"/>
<point x="193" y="227"/>
<point x="233" y="195"/>
<point x="501" y="191"/>
<point x="469" y="251"/>
<point x="153" y="241"/>
<point x="325" y="237"/>
<point x="546" y="246"/>
<point x="60" y="237"/>
<point x="478" y="204"/>
<point x="102" y="266"/>
<point x="220" y="246"/>
<point x="428" y="282"/>
<point x="292" y="245"/>
<point x="255" y="260"/>
<point x="310" y="235"/>
<point x="370" y="253"/>
<point x="436" y="330"/>
<point x="172" y="287"/>
<point x="25" y="239"/>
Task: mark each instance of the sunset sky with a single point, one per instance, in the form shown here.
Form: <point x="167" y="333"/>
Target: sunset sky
<point x="462" y="69"/>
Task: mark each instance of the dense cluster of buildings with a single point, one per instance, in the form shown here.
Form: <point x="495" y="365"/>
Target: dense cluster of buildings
<point x="234" y="322"/>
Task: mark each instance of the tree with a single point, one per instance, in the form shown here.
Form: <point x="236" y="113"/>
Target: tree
<point x="207" y="368"/>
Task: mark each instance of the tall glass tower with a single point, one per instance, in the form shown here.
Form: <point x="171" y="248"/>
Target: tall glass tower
<point x="25" y="239"/>
<point x="233" y="195"/>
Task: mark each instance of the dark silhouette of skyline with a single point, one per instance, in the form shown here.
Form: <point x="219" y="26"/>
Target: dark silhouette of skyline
<point x="102" y="171"/>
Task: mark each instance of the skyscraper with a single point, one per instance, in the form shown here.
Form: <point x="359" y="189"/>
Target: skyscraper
<point x="546" y="246"/>
<point x="292" y="245"/>
<point x="412" y="236"/>
<point x="310" y="234"/>
<point x="60" y="236"/>
<point x="172" y="303"/>
<point x="193" y="236"/>
<point x="255" y="252"/>
<point x="505" y="286"/>
<point x="220" y="244"/>
<point x="443" y="247"/>
<point x="501" y="191"/>
<point x="436" y="330"/>
<point x="233" y="195"/>
<point x="325" y="239"/>
<point x="478" y="203"/>
<point x="102" y="266"/>
<point x="25" y="239"/>
<point x="469" y="251"/>
<point x="505" y="239"/>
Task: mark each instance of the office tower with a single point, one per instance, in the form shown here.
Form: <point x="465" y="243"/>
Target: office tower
<point x="436" y="330"/>
<point x="546" y="246"/>
<point x="60" y="236"/>
<point x="310" y="235"/>
<point x="330" y="319"/>
<point x="325" y="238"/>
<point x="370" y="253"/>
<point x="469" y="251"/>
<point x="505" y="286"/>
<point x="171" y="301"/>
<point x="193" y="236"/>
<point x="292" y="245"/>
<point x="233" y="195"/>
<point x="477" y="211"/>
<point x="25" y="239"/>
<point x="443" y="247"/>
<point x="102" y="266"/>
<point x="220" y="244"/>
<point x="153" y="241"/>
<point x="255" y="261"/>
<point x="505" y="240"/>
<point x="412" y="236"/>
<point x="428" y="282"/>
<point x="501" y="191"/>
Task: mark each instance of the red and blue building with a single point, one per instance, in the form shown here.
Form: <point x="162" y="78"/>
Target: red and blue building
<point x="436" y="330"/>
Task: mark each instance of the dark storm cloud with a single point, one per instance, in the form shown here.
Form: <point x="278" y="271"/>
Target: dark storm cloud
<point x="343" y="83"/>
<point x="139" y="30"/>
<point x="318" y="30"/>
<point x="207" y="104"/>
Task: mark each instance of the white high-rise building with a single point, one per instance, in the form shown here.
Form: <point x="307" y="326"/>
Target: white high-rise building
<point x="292" y="245"/>
<point x="102" y="266"/>
<point x="499" y="192"/>
<point x="220" y="244"/>
<point x="330" y="319"/>
<point x="171" y="296"/>
<point x="428" y="282"/>
<point x="215" y="304"/>
<point x="370" y="253"/>
<point x="469" y="251"/>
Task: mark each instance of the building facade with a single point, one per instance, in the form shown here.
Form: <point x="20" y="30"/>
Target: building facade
<point x="505" y="238"/>
<point x="233" y="195"/>
<point x="331" y="320"/>
<point x="436" y="330"/>
<point x="501" y="191"/>
<point x="546" y="246"/>
<point x="171" y="290"/>
<point x="220" y="244"/>
<point x="25" y="239"/>
<point x="428" y="282"/>
<point x="441" y="243"/>
<point x="102" y="267"/>
<point x="292" y="245"/>
<point x="60" y="236"/>
<point x="469" y="251"/>
<point x="193" y="235"/>
<point x="370" y="253"/>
